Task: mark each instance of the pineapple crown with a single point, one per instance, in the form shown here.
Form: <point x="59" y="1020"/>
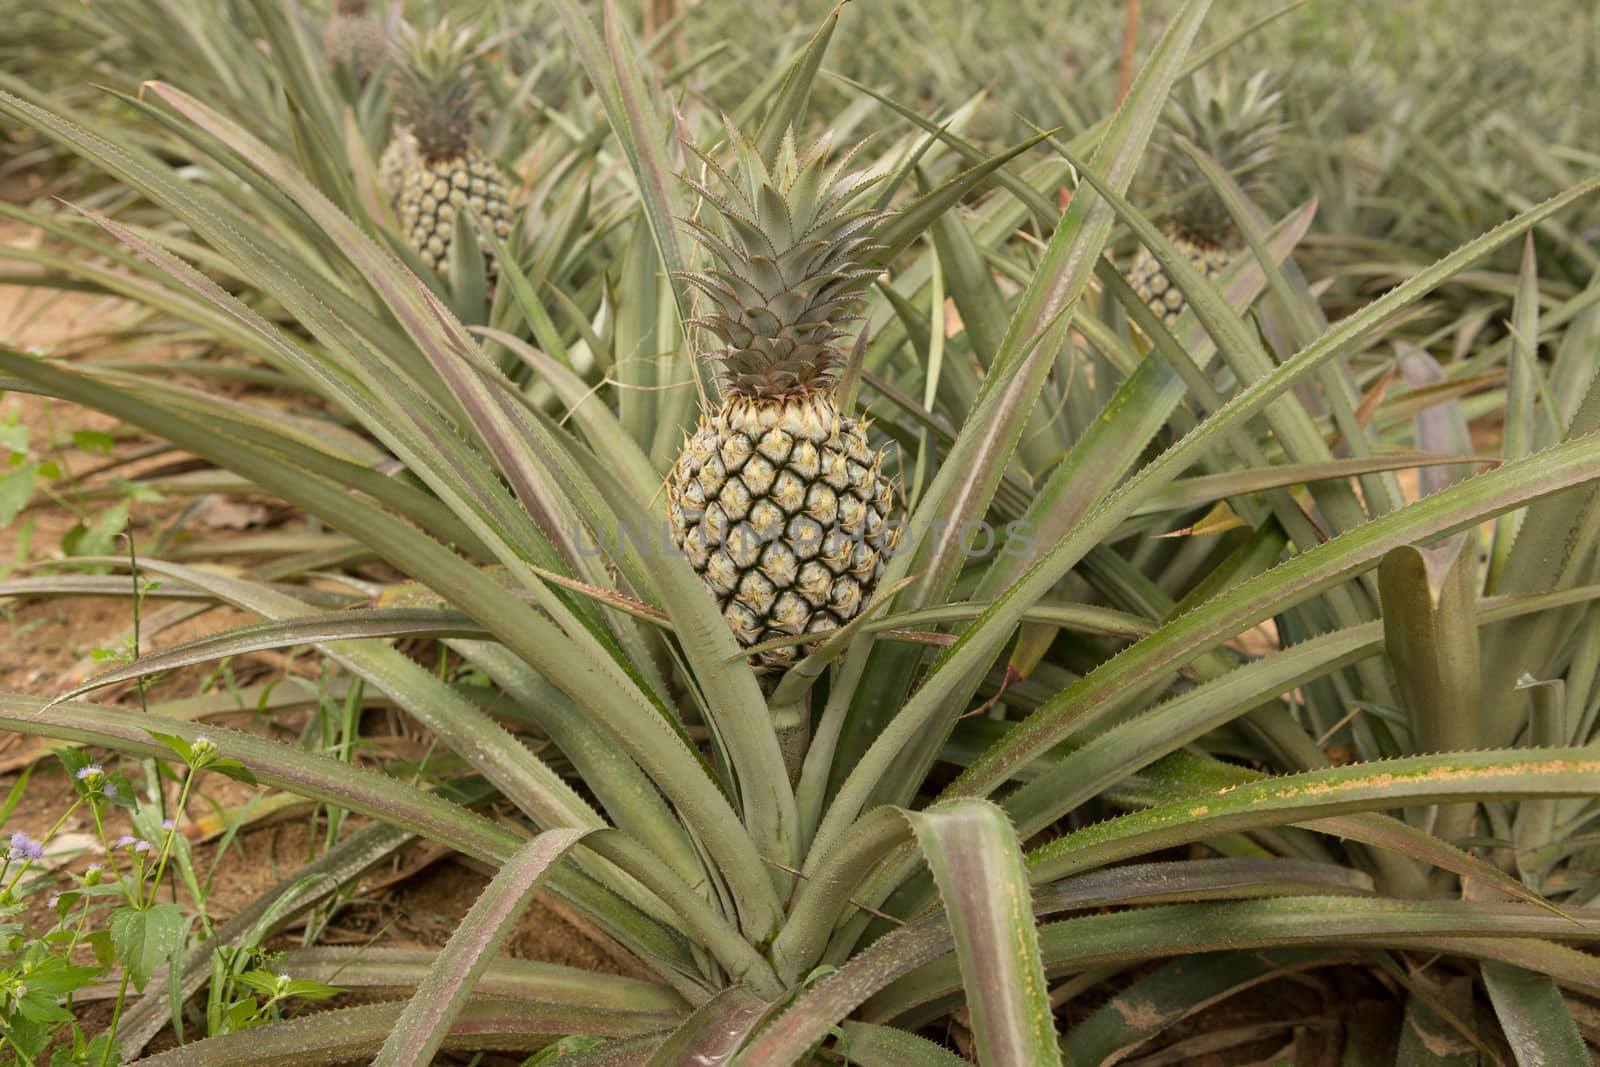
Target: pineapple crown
<point x="788" y="263"/>
<point x="1238" y="125"/>
<point x="1360" y="104"/>
<point x="436" y="88"/>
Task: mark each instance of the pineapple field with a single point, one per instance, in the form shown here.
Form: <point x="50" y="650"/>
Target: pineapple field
<point x="578" y="533"/>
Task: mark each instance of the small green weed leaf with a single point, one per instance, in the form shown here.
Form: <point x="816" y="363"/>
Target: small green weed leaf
<point x="147" y="938"/>
<point x="98" y="538"/>
<point x="94" y="441"/>
<point x="16" y="488"/>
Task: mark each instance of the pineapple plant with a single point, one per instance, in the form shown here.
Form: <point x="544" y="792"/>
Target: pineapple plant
<point x="432" y="171"/>
<point x="353" y="36"/>
<point x="777" y="499"/>
<point x="1238" y="125"/>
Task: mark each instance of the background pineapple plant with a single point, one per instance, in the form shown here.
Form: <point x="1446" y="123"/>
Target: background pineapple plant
<point x="354" y="36"/>
<point x="1238" y="124"/>
<point x="1361" y="101"/>
<point x="432" y="169"/>
<point x="777" y="499"/>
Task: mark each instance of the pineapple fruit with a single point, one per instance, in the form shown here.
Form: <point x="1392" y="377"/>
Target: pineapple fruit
<point x="1238" y="126"/>
<point x="431" y="170"/>
<point x="777" y="499"/>
<point x="1359" y="110"/>
<point x="392" y="165"/>
<point x="354" y="36"/>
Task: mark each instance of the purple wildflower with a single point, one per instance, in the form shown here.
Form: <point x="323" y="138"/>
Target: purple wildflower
<point x="24" y="847"/>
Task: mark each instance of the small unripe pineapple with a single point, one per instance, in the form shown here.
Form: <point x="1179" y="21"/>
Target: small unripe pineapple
<point x="353" y="35"/>
<point x="1360" y="108"/>
<point x="1150" y="281"/>
<point x="432" y="171"/>
<point x="1236" y="125"/>
<point x="777" y="499"/>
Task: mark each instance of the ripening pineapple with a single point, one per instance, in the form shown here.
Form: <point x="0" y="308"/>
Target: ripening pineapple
<point x="353" y="35"/>
<point x="1238" y="126"/>
<point x="1359" y="109"/>
<point x="431" y="170"/>
<point x="777" y="499"/>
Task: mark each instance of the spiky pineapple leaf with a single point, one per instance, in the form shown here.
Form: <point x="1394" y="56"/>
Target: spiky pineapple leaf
<point x="1533" y="1015"/>
<point x="1313" y="795"/>
<point x="977" y="864"/>
<point x="423" y="1026"/>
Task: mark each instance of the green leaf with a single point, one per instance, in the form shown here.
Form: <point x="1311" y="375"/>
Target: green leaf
<point x="1522" y="390"/>
<point x="1537" y="1023"/>
<point x="1431" y="635"/>
<point x="146" y="938"/>
<point x="422" y="1028"/>
<point x="180" y="747"/>
<point x="977" y="864"/>
<point x="353" y="625"/>
<point x="263" y="982"/>
<point x="98" y="538"/>
<point x="363" y="967"/>
<point x="95" y="441"/>
<point x="41" y="1007"/>
<point x="16" y="489"/>
<point x="713" y="1031"/>
<point x="1298" y="798"/>
<point x="1474" y="929"/>
<point x="56" y="977"/>
<point x="866" y="1045"/>
<point x="14" y="435"/>
<point x="788" y="109"/>
<point x="355" y="1035"/>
